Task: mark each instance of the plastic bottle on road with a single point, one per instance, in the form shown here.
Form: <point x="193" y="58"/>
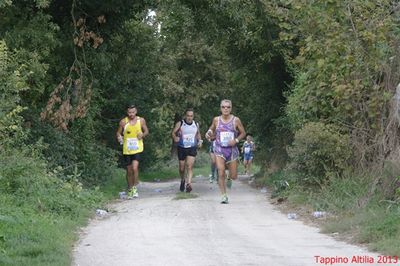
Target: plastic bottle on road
<point x="122" y="195"/>
<point x="319" y="214"/>
<point x="100" y="212"/>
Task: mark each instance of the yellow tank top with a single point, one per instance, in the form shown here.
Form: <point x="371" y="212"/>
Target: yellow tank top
<point x="131" y="144"/>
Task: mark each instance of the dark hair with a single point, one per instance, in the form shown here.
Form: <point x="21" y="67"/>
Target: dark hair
<point x="189" y="109"/>
<point x="131" y="106"/>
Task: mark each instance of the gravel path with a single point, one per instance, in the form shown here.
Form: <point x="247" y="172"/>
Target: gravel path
<point x="155" y="229"/>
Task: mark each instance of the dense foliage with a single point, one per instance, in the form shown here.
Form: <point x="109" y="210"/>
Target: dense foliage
<point x="321" y="157"/>
<point x="346" y="70"/>
<point x="321" y="73"/>
<point x="70" y="68"/>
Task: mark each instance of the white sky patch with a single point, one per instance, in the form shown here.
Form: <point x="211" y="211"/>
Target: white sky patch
<point x="151" y="19"/>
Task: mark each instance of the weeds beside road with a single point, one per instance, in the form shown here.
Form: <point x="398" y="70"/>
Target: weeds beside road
<point x="371" y="221"/>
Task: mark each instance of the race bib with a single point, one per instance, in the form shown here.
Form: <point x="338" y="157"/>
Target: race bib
<point x="247" y="149"/>
<point x="132" y="144"/>
<point x="225" y="137"/>
<point x="188" y="140"/>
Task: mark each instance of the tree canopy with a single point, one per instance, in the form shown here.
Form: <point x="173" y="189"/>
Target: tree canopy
<point x="70" y="68"/>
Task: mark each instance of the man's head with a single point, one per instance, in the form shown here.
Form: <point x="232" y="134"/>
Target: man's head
<point x="131" y="111"/>
<point x="249" y="137"/>
<point x="226" y="107"/>
<point x="189" y="115"/>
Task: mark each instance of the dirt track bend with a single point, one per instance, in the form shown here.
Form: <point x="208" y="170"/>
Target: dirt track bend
<point x="158" y="230"/>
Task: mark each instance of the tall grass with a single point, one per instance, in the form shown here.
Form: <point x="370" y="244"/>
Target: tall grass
<point x="355" y="208"/>
<point x="39" y="212"/>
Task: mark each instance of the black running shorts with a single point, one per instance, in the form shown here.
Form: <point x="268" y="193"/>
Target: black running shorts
<point x="184" y="152"/>
<point x="128" y="159"/>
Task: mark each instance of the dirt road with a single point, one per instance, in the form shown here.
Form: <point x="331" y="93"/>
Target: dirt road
<point x="158" y="230"/>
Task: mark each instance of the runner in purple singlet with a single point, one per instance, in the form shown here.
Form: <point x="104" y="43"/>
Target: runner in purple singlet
<point x="227" y="130"/>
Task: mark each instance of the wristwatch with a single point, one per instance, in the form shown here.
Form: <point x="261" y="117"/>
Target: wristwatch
<point x="237" y="140"/>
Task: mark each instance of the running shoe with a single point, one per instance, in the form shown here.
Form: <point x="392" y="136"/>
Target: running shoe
<point x="229" y="183"/>
<point x="224" y="199"/>
<point x="211" y="178"/>
<point x="135" y="193"/>
<point x="182" y="187"/>
<point x="188" y="188"/>
<point x="130" y="193"/>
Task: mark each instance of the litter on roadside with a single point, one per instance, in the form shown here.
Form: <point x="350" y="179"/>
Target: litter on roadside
<point x="101" y="213"/>
<point x="122" y="195"/>
<point x="319" y="214"/>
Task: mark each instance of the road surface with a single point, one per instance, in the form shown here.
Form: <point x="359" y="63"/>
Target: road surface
<point x="157" y="229"/>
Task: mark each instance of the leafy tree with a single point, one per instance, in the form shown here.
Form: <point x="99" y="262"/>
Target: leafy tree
<point x="245" y="66"/>
<point x="12" y="83"/>
<point x="345" y="69"/>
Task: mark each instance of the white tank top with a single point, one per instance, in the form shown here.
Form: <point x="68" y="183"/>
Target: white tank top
<point x="188" y="135"/>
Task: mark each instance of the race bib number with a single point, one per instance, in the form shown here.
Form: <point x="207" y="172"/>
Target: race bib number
<point x="247" y="149"/>
<point x="225" y="137"/>
<point x="132" y="144"/>
<point x="188" y="140"/>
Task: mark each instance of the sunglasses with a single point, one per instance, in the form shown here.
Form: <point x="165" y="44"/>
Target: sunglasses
<point x="225" y="107"/>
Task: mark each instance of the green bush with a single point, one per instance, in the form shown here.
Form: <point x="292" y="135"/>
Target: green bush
<point x="39" y="212"/>
<point x="319" y="152"/>
<point x="27" y="179"/>
<point x="77" y="154"/>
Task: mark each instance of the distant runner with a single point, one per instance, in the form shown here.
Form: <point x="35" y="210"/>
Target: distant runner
<point x="227" y="130"/>
<point x="187" y="134"/>
<point x="131" y="131"/>
<point x="213" y="176"/>
<point x="248" y="154"/>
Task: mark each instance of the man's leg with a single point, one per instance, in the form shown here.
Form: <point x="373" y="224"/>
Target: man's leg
<point x="182" y="175"/>
<point x="129" y="175"/>
<point x="135" y="168"/>
<point x="131" y="180"/>
<point x="232" y="167"/>
<point x="245" y="163"/>
<point x="132" y="193"/>
<point x="212" y="166"/>
<point x="214" y="174"/>
<point x="189" y="175"/>
<point x="249" y="166"/>
<point x="220" y="162"/>
<point x="182" y="169"/>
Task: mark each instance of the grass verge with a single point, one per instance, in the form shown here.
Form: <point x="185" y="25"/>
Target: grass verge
<point x="39" y="212"/>
<point x="184" y="195"/>
<point x="354" y="213"/>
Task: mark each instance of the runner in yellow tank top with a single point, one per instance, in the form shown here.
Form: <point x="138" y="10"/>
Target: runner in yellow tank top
<point x="132" y="144"/>
<point x="131" y="131"/>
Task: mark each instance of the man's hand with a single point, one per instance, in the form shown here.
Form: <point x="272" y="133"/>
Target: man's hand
<point x="233" y="142"/>
<point x="209" y="135"/>
<point x="140" y="135"/>
<point x="120" y="139"/>
<point x="199" y="143"/>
